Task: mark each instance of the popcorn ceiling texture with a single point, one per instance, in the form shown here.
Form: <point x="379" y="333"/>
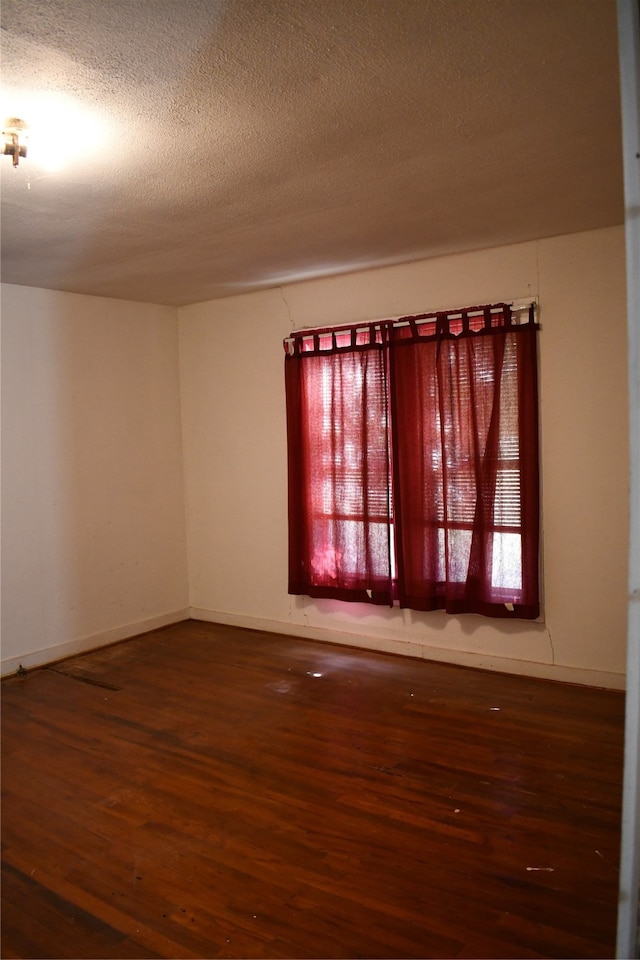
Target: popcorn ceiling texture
<point x="256" y="142"/>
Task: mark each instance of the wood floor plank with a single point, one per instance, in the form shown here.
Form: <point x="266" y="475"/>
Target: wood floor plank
<point x="36" y="910"/>
<point x="205" y="791"/>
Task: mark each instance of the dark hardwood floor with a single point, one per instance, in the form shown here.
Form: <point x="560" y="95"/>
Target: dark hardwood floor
<point x="204" y="791"/>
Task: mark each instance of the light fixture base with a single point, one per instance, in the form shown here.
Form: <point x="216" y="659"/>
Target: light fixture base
<point x="12" y="129"/>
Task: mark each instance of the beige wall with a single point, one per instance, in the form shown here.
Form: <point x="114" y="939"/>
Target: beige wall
<point x="235" y="455"/>
<point x="93" y="532"/>
<point x="93" y="539"/>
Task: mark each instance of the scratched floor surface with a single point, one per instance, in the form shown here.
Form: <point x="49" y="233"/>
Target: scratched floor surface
<point x="204" y="791"/>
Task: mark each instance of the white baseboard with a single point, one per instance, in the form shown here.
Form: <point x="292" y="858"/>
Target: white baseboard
<point x="407" y="648"/>
<point x="413" y="648"/>
<point x="60" y="651"/>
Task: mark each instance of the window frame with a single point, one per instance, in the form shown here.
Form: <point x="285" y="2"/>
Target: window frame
<point x="472" y="322"/>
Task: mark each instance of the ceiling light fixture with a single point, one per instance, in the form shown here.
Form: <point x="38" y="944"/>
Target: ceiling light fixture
<point x="12" y="129"/>
<point x="61" y="131"/>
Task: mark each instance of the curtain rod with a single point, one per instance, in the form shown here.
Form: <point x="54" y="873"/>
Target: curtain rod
<point x="517" y="306"/>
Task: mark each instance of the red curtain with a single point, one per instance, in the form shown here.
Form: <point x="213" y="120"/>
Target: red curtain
<point x="413" y="463"/>
<point x="465" y="429"/>
<point x="339" y="467"/>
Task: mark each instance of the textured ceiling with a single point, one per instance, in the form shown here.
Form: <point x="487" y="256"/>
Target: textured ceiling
<point x="255" y="142"/>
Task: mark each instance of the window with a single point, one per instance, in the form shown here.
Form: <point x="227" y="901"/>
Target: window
<point x="413" y="462"/>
